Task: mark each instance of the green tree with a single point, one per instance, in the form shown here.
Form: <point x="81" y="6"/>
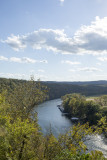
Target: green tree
<point x="102" y="100"/>
<point x="76" y="105"/>
<point x="92" y="110"/>
<point x="21" y="138"/>
<point x="73" y="139"/>
<point x="24" y="97"/>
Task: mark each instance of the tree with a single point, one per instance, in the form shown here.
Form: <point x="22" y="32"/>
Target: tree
<point x="102" y="100"/>
<point x="76" y="105"/>
<point x="72" y="103"/>
<point x="68" y="155"/>
<point x="92" y="110"/>
<point x="102" y="124"/>
<point x="21" y="137"/>
<point x="74" y="138"/>
<point x="24" y="97"/>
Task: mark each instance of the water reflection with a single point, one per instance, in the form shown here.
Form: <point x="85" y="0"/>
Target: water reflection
<point x="50" y="117"/>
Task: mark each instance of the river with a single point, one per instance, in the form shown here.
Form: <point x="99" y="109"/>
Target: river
<point x="50" y="118"/>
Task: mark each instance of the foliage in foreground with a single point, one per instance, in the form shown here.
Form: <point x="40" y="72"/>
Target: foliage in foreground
<point x="21" y="138"/>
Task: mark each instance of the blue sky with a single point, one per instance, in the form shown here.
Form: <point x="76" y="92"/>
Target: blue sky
<point x="54" y="40"/>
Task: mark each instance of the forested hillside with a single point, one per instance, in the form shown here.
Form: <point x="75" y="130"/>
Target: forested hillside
<point x="58" y="89"/>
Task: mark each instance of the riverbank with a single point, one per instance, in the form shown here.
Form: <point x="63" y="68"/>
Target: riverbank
<point x="73" y="119"/>
<point x="49" y="116"/>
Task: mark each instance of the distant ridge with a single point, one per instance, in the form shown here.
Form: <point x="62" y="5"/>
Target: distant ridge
<point x="99" y="82"/>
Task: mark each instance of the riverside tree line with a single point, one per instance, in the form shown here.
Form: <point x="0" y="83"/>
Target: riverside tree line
<point x="92" y="111"/>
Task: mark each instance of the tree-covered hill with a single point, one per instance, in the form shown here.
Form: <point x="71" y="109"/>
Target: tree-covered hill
<point x="58" y="89"/>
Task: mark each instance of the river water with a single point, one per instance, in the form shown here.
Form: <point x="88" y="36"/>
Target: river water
<point x="50" y="118"/>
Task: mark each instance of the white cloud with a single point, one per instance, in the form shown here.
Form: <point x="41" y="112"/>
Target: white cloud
<point x="14" y="75"/>
<point x="23" y="76"/>
<point x="70" y="62"/>
<point x="89" y="69"/>
<point x="90" y="39"/>
<point x="15" y="43"/>
<point x="86" y="69"/>
<point x="61" y="1"/>
<point x="102" y="59"/>
<point x="2" y="58"/>
<point x="22" y="60"/>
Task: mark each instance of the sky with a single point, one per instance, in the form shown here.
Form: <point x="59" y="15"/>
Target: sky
<point x="53" y="40"/>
